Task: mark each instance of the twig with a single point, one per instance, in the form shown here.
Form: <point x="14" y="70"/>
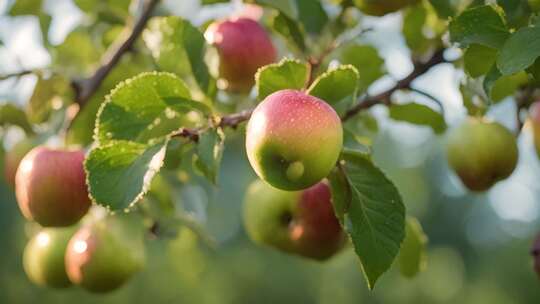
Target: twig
<point x="86" y="88"/>
<point x="228" y="121"/>
<point x="419" y="69"/>
<point x="16" y="74"/>
<point x="233" y="120"/>
<point x="431" y="97"/>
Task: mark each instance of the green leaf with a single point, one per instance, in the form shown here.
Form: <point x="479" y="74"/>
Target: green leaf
<point x="176" y="45"/>
<point x="338" y="86"/>
<point x="290" y="30"/>
<point x="287" y="74"/>
<point x="444" y="8"/>
<point x="26" y="7"/>
<point x="287" y="7"/>
<point x="82" y="127"/>
<point x="12" y="115"/>
<point x="366" y="60"/>
<point x="516" y="12"/>
<point x="119" y="174"/>
<point x="49" y="93"/>
<point x="44" y="24"/>
<point x="146" y="107"/>
<point x="520" y="51"/>
<point x="209" y="153"/>
<point x="479" y="59"/>
<point x="413" y="26"/>
<point x="481" y="25"/>
<point x="312" y="15"/>
<point x="508" y="85"/>
<point x="412" y="255"/>
<point x="372" y="211"/>
<point x="498" y="86"/>
<point x="418" y="114"/>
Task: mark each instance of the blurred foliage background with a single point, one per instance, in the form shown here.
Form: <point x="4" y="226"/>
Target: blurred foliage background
<point x="478" y="243"/>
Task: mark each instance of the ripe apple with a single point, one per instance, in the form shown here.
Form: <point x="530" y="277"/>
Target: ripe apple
<point x="105" y="254"/>
<point x="534" y="114"/>
<point x="482" y="153"/>
<point x="301" y="222"/>
<point x="43" y="258"/>
<point x="381" y="8"/>
<point x="13" y="157"/>
<point x="293" y="140"/>
<point x="243" y="46"/>
<point x="50" y="187"/>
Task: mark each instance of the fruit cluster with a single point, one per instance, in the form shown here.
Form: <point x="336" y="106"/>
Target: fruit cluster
<point x="98" y="255"/>
<point x="293" y="141"/>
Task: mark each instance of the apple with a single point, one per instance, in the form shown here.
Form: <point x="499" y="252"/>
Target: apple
<point x="13" y="157"/>
<point x="43" y="258"/>
<point x="105" y="254"/>
<point x="534" y="114"/>
<point x="482" y="153"/>
<point x="300" y="222"/>
<point x="381" y="8"/>
<point x="243" y="47"/>
<point x="293" y="140"/>
<point x="50" y="187"/>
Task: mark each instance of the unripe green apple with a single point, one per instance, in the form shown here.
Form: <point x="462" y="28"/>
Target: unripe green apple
<point x="13" y="157"/>
<point x="243" y="46"/>
<point x="482" y="153"/>
<point x="534" y="115"/>
<point x="381" y="8"/>
<point x="535" y="252"/>
<point x="293" y="140"/>
<point x="105" y="254"/>
<point x="43" y="258"/>
<point x="50" y="186"/>
<point x="301" y="222"/>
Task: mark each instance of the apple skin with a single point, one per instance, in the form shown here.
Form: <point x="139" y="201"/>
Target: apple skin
<point x="13" y="158"/>
<point x="293" y="140"/>
<point x="381" y="8"/>
<point x="301" y="222"/>
<point x="482" y="153"/>
<point x="534" y="115"/>
<point x="50" y="186"/>
<point x="243" y="46"/>
<point x="105" y="254"/>
<point x="43" y="258"/>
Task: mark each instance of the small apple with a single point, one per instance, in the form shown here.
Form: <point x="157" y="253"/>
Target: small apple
<point x="243" y="46"/>
<point x="105" y="254"/>
<point x="293" y="140"/>
<point x="13" y="157"/>
<point x="534" y="114"/>
<point x="301" y="222"/>
<point x="50" y="187"/>
<point x="43" y="258"/>
<point x="381" y="8"/>
<point x="482" y="153"/>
